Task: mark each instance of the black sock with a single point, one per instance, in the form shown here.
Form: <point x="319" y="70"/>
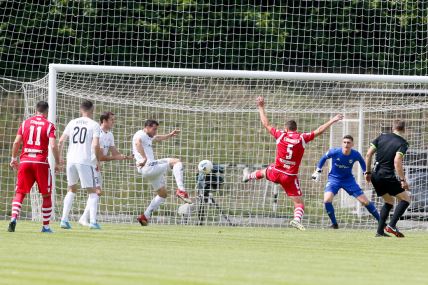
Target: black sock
<point x="384" y="214"/>
<point x="399" y="211"/>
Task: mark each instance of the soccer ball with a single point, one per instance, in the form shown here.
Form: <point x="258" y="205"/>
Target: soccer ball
<point x="205" y="166"/>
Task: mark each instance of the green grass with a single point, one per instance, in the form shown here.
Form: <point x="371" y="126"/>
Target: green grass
<point x="129" y="254"/>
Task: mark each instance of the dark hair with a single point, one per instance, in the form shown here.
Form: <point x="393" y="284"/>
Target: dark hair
<point x="86" y="105"/>
<point x="105" y="116"/>
<point x="42" y="107"/>
<point x="151" y="123"/>
<point x="349" y="137"/>
<point x="291" y="125"/>
<point x="398" y="125"/>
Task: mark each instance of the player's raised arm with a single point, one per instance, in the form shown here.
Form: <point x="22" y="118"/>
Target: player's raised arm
<point x="317" y="173"/>
<point x="262" y="113"/>
<point x="172" y="134"/>
<point x="15" y="151"/>
<point x="321" y="129"/>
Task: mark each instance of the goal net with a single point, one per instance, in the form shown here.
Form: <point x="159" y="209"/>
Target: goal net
<point x="216" y="112"/>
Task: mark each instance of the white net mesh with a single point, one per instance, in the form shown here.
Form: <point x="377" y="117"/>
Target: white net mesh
<point x="219" y="122"/>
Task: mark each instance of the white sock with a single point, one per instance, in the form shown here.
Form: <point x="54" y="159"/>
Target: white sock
<point x="154" y="205"/>
<point x="177" y="170"/>
<point x="68" y="203"/>
<point x="86" y="211"/>
<point x="93" y="207"/>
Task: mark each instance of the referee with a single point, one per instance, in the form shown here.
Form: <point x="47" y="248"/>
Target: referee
<point x="388" y="176"/>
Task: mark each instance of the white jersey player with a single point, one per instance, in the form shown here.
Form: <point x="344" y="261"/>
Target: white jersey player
<point x="83" y="141"/>
<point x="153" y="169"/>
<point x="107" y="146"/>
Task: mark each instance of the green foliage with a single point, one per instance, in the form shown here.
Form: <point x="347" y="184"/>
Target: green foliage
<point x="371" y="36"/>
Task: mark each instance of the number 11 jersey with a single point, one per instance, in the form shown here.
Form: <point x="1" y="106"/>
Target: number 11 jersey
<point x="81" y="132"/>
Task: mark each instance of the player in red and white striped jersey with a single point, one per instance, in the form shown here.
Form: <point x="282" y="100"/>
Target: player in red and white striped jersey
<point x="290" y="147"/>
<point x="36" y="134"/>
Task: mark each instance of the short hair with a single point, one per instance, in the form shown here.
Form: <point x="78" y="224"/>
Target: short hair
<point x="42" y="107"/>
<point x="291" y="125"/>
<point x="86" y="105"/>
<point x="105" y="116"/>
<point x="349" y="137"/>
<point x="398" y="125"/>
<point x="151" y="123"/>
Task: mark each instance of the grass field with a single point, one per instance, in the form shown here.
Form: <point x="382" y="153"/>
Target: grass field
<point x="129" y="254"/>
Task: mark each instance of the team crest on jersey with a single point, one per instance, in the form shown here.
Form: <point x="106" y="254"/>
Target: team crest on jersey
<point x="338" y="159"/>
<point x="350" y="161"/>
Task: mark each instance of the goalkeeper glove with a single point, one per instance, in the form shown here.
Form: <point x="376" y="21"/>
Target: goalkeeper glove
<point x="316" y="175"/>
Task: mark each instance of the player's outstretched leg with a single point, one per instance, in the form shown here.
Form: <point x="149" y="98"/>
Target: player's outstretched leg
<point x="256" y="175"/>
<point x="177" y="171"/>
<point x="369" y="206"/>
<point x="328" y="199"/>
<point x="299" y="210"/>
<point x="16" y="209"/>
<point x="46" y="213"/>
<point x="144" y="218"/>
<point x="68" y="203"/>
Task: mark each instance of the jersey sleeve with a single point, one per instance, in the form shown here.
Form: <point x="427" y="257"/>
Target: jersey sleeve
<point x="361" y="161"/>
<point x="403" y="149"/>
<point x="324" y="158"/>
<point x="275" y="133"/>
<point x="308" y="136"/>
<point x="97" y="131"/>
<point x="52" y="131"/>
<point x="67" y="130"/>
<point x="20" y="131"/>
<point x="375" y="142"/>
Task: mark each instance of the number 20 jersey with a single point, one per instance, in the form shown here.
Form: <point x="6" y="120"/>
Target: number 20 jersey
<point x="80" y="133"/>
<point x="35" y="132"/>
<point x="290" y="147"/>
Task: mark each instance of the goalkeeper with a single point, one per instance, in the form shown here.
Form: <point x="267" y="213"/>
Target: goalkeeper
<point x="341" y="176"/>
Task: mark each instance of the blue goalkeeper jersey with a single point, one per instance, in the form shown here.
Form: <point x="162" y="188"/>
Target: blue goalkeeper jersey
<point x="342" y="164"/>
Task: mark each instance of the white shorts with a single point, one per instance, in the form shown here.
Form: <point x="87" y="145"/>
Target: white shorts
<point x="98" y="179"/>
<point x="154" y="171"/>
<point x="82" y="172"/>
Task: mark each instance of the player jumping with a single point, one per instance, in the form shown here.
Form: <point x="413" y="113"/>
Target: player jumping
<point x="155" y="170"/>
<point x="340" y="176"/>
<point x="289" y="152"/>
<point x="107" y="146"/>
<point x="36" y="134"/>
<point x="83" y="134"/>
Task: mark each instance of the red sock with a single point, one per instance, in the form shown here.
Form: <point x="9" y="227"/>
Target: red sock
<point x="256" y="175"/>
<point x="46" y="210"/>
<point x="299" y="210"/>
<point x="17" y="205"/>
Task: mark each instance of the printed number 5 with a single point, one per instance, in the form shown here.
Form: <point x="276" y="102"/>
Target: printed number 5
<point x="289" y="151"/>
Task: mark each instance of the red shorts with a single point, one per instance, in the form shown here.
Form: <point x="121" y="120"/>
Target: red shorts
<point x="30" y="172"/>
<point x="290" y="183"/>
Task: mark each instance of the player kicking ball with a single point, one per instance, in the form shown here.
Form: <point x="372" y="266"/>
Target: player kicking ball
<point x="154" y="170"/>
<point x="83" y="141"/>
<point x="107" y="146"/>
<point x="36" y="134"/>
<point x="340" y="177"/>
<point x="290" y="146"/>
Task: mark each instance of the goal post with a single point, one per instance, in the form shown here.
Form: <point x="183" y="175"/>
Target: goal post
<point x="216" y="111"/>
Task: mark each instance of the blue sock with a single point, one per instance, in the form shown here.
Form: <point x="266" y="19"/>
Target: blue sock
<point x="372" y="210"/>
<point x="330" y="211"/>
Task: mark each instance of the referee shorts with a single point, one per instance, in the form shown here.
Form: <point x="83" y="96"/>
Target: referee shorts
<point x="384" y="186"/>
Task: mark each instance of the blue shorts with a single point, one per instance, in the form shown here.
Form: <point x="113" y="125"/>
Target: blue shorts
<point x="350" y="186"/>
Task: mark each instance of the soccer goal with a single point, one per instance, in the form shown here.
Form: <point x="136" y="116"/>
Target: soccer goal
<point x="216" y="112"/>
